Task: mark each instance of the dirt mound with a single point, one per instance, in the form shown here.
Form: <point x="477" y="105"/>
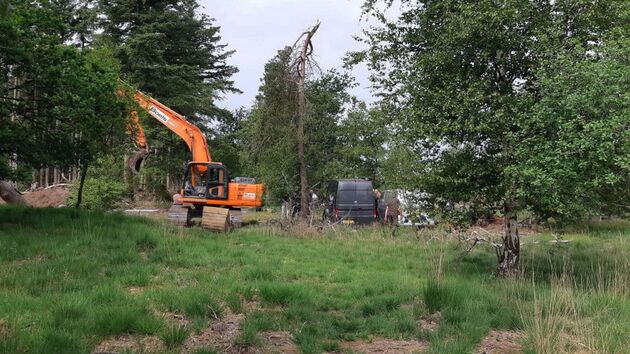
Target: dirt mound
<point x="384" y="345"/>
<point x="501" y="342"/>
<point x="130" y="343"/>
<point x="47" y="197"/>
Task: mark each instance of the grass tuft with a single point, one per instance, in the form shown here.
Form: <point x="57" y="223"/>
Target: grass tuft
<point x="174" y="336"/>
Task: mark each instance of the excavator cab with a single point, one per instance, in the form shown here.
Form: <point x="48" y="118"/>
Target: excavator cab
<point x="206" y="180"/>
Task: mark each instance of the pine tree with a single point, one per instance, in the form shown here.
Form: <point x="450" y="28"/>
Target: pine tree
<point x="175" y="54"/>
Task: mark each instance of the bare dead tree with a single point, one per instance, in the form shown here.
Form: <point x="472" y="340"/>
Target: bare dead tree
<point x="303" y="49"/>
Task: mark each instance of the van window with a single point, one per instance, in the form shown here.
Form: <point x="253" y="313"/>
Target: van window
<point x="346" y="196"/>
<point x="365" y="197"/>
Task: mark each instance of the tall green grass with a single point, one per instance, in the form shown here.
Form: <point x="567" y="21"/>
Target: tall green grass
<point x="66" y="276"/>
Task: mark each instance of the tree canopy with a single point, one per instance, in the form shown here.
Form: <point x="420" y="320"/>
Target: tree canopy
<point x="59" y="103"/>
<point x="473" y="88"/>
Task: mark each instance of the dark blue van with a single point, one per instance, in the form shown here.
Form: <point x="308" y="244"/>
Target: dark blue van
<point x="351" y="201"/>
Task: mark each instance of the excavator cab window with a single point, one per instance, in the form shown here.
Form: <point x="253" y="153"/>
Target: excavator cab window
<point x="195" y="181"/>
<point x="208" y="181"/>
<point x="217" y="182"/>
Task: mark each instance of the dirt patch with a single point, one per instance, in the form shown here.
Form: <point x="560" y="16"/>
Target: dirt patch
<point x="5" y="330"/>
<point x="35" y="259"/>
<point x="220" y="336"/>
<point x="501" y="342"/>
<point x="49" y="197"/>
<point x="135" y="290"/>
<point x="384" y="345"/>
<point x="430" y="322"/>
<point x="130" y="343"/>
<point x="278" y="342"/>
<point x="143" y="256"/>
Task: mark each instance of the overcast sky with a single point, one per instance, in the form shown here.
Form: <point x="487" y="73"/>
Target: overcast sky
<point x="257" y="29"/>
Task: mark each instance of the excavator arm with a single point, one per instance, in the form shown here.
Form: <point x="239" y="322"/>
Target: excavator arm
<point x="175" y="122"/>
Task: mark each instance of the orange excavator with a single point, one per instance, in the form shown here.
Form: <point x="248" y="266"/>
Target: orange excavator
<point x="207" y="191"/>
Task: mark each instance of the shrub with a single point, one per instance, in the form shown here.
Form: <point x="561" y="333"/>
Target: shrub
<point x="99" y="193"/>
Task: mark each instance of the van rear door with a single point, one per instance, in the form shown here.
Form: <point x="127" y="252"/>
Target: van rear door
<point x="355" y="202"/>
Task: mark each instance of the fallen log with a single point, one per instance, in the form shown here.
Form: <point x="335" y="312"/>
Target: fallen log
<point x="10" y="194"/>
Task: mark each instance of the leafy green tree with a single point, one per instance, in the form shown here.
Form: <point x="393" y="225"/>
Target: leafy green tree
<point x="270" y="143"/>
<point x="269" y="134"/>
<point x="465" y="83"/>
<point x="574" y="148"/>
<point x="59" y="104"/>
<point x="363" y="135"/>
<point x="326" y="97"/>
<point x="175" y="54"/>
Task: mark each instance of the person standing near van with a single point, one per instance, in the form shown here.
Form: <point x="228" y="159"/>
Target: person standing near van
<point x="392" y="211"/>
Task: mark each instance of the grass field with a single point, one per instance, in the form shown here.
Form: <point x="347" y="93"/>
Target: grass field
<point x="71" y="279"/>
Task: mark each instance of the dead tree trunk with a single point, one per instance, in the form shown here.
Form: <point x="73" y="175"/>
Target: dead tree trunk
<point x="9" y="194"/>
<point x="302" y="61"/>
<point x="510" y="252"/>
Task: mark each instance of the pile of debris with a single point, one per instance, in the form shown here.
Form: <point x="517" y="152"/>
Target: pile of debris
<point x="52" y="196"/>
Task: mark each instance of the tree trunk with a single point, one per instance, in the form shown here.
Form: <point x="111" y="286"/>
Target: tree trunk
<point x="84" y="170"/>
<point x="305" y="53"/>
<point x="509" y="258"/>
<point x="9" y="194"/>
<point x="304" y="200"/>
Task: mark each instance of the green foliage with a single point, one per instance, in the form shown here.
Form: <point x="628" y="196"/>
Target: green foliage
<point x="269" y="135"/>
<point x="67" y="111"/>
<point x="517" y="102"/>
<point x="154" y="177"/>
<point x="99" y="193"/>
<point x="583" y="119"/>
<point x="175" y="54"/>
<point x="270" y="142"/>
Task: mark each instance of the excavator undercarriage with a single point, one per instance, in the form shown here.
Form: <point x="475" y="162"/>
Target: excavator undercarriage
<point x="211" y="218"/>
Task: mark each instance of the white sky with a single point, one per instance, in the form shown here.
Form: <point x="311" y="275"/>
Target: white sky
<point x="257" y="29"/>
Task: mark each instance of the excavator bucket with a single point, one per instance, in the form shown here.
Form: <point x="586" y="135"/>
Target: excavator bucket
<point x="136" y="160"/>
<point x="216" y="219"/>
